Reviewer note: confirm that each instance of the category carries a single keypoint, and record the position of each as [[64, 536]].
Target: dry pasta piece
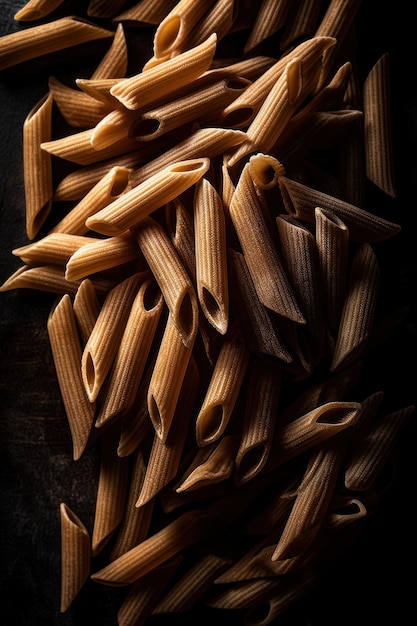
[[75, 556], [148, 12], [218, 19], [114, 63], [86, 306], [265, 170], [36, 10], [104, 8], [359, 307], [301, 23], [48, 37], [111, 492], [104, 192], [177, 24], [179, 225], [146, 87], [379, 157], [174, 282], [66, 353], [102, 345], [364, 226], [99, 89], [55, 248], [262, 397], [134, 205], [130, 360], [270, 18], [37, 166], [211, 255], [223, 388], [77, 108], [248, 213]]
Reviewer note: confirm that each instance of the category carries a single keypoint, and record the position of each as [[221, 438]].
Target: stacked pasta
[[217, 291]]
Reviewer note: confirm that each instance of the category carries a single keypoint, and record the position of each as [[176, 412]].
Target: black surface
[[375, 582]]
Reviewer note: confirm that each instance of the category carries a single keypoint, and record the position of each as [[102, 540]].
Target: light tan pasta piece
[[99, 89], [143, 88], [48, 37], [265, 170], [36, 10], [211, 255], [104, 191], [364, 226], [359, 307], [77, 108], [379, 156], [101, 254], [223, 388], [138, 605], [187, 529], [131, 356], [148, 12], [177, 24], [66, 353], [175, 284], [75, 556], [261, 406], [270, 18], [301, 23], [165, 456], [55, 248], [135, 204], [86, 307], [115, 62], [102, 345], [180, 227], [37, 166], [248, 213], [218, 19], [111, 492]]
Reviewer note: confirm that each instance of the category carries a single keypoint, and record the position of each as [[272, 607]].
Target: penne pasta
[[86, 307], [177, 24], [78, 109], [270, 18], [180, 228], [36, 10], [219, 19], [115, 62], [55, 249], [147, 11], [75, 556]]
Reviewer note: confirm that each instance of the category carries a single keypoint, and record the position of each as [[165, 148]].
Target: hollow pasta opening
[[168, 33]]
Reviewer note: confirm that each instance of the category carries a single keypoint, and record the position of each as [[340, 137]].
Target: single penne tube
[[173, 280], [269, 19], [359, 307], [302, 21], [104, 8], [378, 143], [223, 388], [113, 127], [141, 89], [180, 228], [137, 203], [249, 68], [86, 306], [77, 108], [248, 215], [102, 345], [265, 170], [66, 353], [105, 191], [332, 240], [262, 397], [211, 255], [131, 356], [114, 62], [219, 18], [55, 248], [97, 255], [168, 378], [75, 556], [45, 38], [364, 226], [165, 456], [99, 89], [37, 166], [184, 531], [244, 595], [36, 10], [111, 492], [177, 24], [150, 12]]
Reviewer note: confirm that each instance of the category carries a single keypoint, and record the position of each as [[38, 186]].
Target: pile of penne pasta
[[217, 287]]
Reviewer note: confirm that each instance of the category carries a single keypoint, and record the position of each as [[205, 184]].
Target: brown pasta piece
[[177, 24], [75, 556]]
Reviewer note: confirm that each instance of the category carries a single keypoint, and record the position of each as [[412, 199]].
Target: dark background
[[375, 582]]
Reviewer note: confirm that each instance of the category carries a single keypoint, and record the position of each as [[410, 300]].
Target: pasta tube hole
[[90, 374], [155, 415], [146, 127], [211, 426], [237, 84], [120, 182], [186, 316], [213, 310], [38, 221], [167, 33], [152, 296], [258, 615], [264, 174], [249, 463], [190, 166], [238, 118]]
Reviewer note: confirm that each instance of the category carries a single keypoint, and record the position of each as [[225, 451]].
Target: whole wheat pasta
[[143, 88], [359, 307], [148, 12], [262, 397], [108, 188], [134, 205], [99, 89], [364, 226], [244, 595], [86, 306], [179, 225], [102, 345], [379, 158], [111, 492], [177, 24], [27, 44], [114, 63], [97, 255], [78, 108], [270, 18], [55, 248], [66, 353], [223, 388], [175, 284], [219, 19], [130, 360], [302, 21], [37, 166], [182, 532], [265, 266], [250, 68], [211, 255], [36, 10], [75, 556], [271, 517], [265, 170], [104, 8]]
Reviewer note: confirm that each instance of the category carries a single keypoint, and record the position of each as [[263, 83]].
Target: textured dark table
[[373, 583]]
